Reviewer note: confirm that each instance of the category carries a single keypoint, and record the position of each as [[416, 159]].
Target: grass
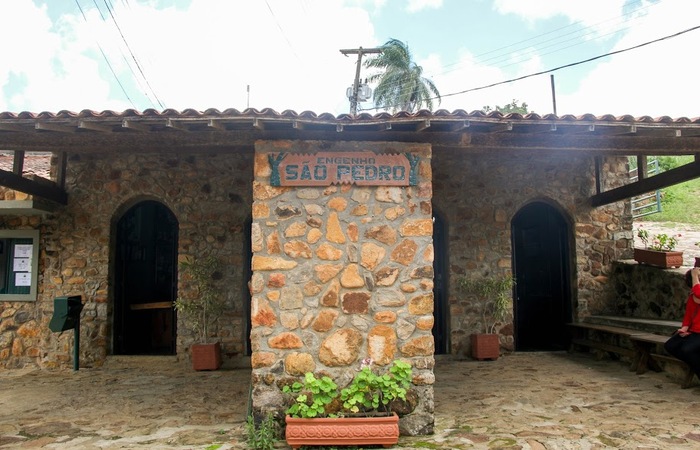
[[679, 203]]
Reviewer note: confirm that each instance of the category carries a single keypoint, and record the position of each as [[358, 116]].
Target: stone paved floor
[[521, 401]]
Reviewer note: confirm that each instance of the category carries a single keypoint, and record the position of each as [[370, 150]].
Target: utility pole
[[356, 85]]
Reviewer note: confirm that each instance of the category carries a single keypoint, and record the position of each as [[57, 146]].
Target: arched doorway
[[145, 275], [441, 329], [541, 254]]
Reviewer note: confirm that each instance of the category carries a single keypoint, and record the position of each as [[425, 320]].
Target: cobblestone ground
[[520, 401]]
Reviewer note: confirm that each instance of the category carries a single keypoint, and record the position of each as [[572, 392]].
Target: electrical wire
[[500, 60], [512, 80], [133, 56], [104, 56]]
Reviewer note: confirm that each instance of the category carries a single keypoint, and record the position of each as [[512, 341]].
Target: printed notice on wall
[[21, 265], [23, 279], [23, 250]]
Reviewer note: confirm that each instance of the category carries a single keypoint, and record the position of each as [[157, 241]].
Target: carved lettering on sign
[[360, 168]]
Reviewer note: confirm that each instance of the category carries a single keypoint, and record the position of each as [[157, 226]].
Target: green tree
[[401, 85], [511, 107]]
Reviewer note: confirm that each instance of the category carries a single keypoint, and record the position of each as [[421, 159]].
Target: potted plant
[[201, 308], [492, 298], [360, 414], [658, 250]]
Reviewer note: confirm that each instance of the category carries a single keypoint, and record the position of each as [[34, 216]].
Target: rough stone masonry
[[340, 273]]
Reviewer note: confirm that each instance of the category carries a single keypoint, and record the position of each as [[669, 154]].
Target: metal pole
[[356, 84], [554, 95], [76, 346]]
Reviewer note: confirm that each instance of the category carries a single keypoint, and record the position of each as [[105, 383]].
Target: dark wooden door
[[441, 327], [541, 264], [145, 280]]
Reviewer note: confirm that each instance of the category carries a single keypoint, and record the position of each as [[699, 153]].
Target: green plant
[[492, 296], [262, 437], [367, 392], [312, 396], [371, 392], [203, 307], [661, 242]]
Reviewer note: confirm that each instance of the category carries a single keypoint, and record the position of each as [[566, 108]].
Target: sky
[[285, 54]]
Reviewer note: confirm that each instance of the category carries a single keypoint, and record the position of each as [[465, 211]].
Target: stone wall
[[341, 273], [477, 194], [210, 196], [641, 291]]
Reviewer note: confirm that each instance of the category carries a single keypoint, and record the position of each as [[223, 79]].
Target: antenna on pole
[[356, 85], [247, 105]]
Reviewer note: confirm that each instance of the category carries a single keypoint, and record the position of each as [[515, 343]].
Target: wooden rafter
[[47, 190], [674, 176]]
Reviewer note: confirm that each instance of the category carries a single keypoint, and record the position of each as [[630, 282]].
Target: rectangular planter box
[[485, 346], [206, 356], [380, 430], [655, 258]]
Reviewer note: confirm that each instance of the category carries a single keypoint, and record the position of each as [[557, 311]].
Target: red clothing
[[692, 311]]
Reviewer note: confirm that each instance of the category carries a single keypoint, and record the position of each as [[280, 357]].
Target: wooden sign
[[327, 168]]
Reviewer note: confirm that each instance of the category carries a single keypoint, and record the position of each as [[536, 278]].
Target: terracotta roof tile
[[363, 116]]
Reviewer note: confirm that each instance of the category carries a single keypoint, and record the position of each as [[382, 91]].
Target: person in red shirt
[[685, 342]]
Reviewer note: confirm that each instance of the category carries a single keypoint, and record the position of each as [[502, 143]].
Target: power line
[[138, 66], [104, 56], [579, 35], [512, 80]]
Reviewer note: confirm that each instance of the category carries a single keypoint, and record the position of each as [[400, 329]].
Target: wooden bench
[[647, 356], [580, 332]]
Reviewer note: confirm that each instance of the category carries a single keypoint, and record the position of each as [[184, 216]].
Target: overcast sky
[[284, 54]]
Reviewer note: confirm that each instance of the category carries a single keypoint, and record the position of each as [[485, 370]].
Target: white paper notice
[[23, 250], [21, 265], [23, 279]]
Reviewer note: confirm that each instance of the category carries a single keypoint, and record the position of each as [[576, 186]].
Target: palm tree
[[401, 84]]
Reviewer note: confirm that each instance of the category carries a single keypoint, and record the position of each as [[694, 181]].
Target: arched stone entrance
[[541, 263], [145, 275]]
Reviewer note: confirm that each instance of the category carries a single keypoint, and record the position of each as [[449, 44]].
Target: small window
[[19, 264]]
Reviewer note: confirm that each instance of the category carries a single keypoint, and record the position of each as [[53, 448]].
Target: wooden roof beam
[[176, 125], [47, 189], [45, 126], [94, 126], [216, 124], [670, 177], [258, 124], [11, 127], [422, 125], [136, 126], [501, 127]]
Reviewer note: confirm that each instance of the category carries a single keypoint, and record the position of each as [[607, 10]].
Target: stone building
[[320, 272]]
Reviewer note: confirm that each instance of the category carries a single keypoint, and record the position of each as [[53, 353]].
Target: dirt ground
[[521, 401]]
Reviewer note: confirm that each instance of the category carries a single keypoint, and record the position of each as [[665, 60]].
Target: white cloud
[[415, 6], [589, 13], [658, 79]]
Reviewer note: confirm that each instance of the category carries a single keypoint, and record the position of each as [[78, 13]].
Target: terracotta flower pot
[[485, 346], [655, 258], [371, 430], [206, 356]]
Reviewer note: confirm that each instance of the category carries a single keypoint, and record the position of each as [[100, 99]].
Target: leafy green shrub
[[371, 392], [314, 394], [262, 437]]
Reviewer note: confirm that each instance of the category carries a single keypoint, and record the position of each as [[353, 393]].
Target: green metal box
[[66, 313]]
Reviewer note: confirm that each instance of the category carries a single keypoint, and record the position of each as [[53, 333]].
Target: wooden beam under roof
[[670, 177], [60, 128], [94, 126], [136, 126], [11, 127], [423, 125], [176, 125], [216, 124], [45, 189]]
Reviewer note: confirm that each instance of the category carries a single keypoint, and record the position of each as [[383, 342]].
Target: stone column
[[341, 272]]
